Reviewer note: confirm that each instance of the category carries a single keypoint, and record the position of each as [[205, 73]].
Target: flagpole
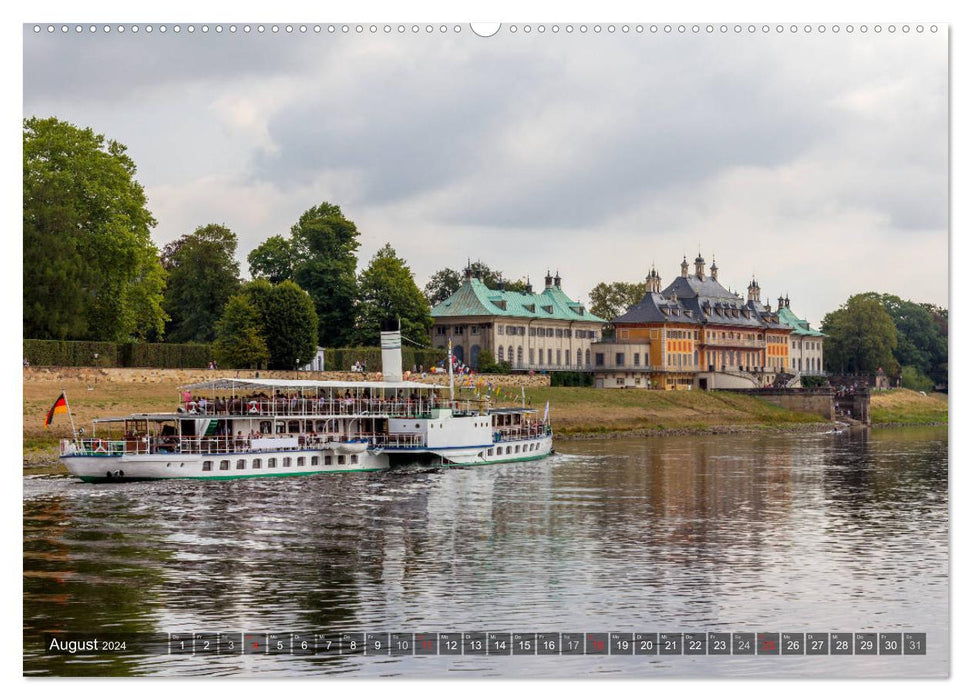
[[451, 385], [70, 415]]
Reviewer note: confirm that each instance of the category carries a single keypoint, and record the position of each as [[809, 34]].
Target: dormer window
[[548, 309], [531, 308], [501, 303]]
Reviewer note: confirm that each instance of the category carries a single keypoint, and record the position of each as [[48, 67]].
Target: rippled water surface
[[787, 533]]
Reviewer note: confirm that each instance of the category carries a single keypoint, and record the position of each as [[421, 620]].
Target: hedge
[[571, 379], [82, 353], [341, 359]]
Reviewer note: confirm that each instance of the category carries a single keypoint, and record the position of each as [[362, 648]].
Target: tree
[[387, 290], [861, 338], [203, 275], [913, 378], [921, 335], [239, 342], [442, 285], [610, 300], [287, 321], [325, 262], [90, 269], [445, 282], [488, 364], [273, 260]]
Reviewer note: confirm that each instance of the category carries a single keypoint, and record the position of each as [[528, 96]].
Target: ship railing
[[396, 408], [399, 440], [101, 446], [506, 434]]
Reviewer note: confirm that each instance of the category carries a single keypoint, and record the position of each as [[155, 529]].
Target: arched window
[[459, 353], [587, 357], [519, 356], [500, 358], [510, 356], [474, 356], [579, 358]]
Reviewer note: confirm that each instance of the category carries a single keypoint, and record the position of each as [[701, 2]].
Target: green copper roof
[[473, 298], [799, 326]]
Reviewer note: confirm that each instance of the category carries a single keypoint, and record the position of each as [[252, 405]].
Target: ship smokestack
[[391, 355]]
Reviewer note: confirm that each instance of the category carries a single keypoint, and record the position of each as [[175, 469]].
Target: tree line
[[92, 272]]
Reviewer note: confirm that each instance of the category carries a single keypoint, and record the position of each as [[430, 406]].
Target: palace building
[[697, 334], [544, 331]]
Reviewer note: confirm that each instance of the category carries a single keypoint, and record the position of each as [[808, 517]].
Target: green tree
[[861, 338], [203, 275], [610, 300], [921, 334], [273, 260], [488, 364], [90, 269], [239, 341], [387, 290], [287, 321], [913, 378], [325, 262]]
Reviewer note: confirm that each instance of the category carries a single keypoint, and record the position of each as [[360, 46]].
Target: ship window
[[490, 453], [207, 466], [241, 464], [287, 461], [353, 459], [314, 461], [517, 449], [257, 463], [341, 459], [271, 462], [328, 460], [224, 465], [301, 461]]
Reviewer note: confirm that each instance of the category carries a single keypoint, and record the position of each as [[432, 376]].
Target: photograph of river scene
[[449, 351]]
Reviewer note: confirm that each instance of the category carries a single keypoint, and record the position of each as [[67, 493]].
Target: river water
[[759, 533]]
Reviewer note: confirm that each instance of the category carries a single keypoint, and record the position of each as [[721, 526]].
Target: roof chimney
[[529, 286], [549, 280], [556, 280]]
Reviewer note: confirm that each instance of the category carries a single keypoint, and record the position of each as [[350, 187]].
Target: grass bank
[[582, 410], [906, 407]]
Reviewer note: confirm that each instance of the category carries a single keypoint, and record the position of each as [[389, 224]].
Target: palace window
[[501, 354], [549, 356], [599, 359], [532, 332], [475, 330], [559, 357], [619, 359], [531, 356], [637, 359]]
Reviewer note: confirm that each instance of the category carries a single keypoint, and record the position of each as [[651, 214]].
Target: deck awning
[[243, 385]]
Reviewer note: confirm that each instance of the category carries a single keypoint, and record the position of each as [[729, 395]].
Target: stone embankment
[[179, 377]]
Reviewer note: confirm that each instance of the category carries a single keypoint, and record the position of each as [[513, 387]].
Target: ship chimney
[[391, 352]]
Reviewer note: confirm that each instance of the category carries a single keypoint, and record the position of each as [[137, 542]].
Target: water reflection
[[718, 533]]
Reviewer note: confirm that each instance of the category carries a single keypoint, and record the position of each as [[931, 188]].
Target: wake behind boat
[[239, 428]]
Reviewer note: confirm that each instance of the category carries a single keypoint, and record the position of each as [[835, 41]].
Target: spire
[[700, 266], [684, 266], [529, 286], [714, 268], [653, 280], [754, 292]]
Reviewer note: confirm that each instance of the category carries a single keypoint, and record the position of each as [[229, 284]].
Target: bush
[[913, 378], [488, 364], [813, 381], [571, 379]]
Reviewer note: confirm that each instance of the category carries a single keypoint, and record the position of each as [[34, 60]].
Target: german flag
[[60, 406]]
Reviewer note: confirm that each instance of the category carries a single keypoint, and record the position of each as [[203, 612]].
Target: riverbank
[[906, 407], [576, 412]]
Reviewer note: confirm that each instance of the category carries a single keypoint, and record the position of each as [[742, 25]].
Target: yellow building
[[701, 335]]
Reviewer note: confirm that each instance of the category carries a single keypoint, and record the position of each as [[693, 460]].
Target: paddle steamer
[[243, 428]]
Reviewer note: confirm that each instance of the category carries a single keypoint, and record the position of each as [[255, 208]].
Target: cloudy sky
[[817, 162]]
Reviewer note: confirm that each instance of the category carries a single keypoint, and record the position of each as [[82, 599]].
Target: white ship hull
[[151, 467]]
